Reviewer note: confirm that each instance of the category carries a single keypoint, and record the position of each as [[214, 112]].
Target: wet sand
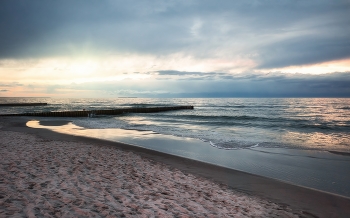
[[49, 174]]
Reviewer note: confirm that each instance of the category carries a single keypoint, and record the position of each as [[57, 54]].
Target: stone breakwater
[[90, 113], [22, 104], [44, 178]]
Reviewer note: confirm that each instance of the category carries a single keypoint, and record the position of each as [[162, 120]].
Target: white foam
[[219, 147], [254, 146]]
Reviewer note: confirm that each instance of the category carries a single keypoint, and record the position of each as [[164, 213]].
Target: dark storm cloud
[[276, 33], [308, 50], [38, 28]]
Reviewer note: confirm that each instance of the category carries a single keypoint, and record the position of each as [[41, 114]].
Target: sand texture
[[46, 178]]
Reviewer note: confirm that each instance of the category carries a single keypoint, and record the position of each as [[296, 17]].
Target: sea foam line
[[254, 146], [216, 146]]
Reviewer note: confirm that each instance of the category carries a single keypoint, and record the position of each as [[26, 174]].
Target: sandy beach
[[53, 177]]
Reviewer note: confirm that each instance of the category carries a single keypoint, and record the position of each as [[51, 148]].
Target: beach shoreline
[[315, 169], [291, 199]]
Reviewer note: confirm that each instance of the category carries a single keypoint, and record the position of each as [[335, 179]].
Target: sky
[[175, 48]]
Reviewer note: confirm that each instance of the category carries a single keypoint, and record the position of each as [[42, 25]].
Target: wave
[[220, 147], [146, 105], [213, 117], [251, 121], [244, 106]]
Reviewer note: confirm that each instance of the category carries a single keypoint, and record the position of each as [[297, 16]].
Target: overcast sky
[[184, 48]]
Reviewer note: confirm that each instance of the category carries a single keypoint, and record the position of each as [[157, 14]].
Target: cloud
[[184, 75], [272, 34], [194, 84], [13, 84], [179, 73], [306, 50], [4, 90], [253, 85]]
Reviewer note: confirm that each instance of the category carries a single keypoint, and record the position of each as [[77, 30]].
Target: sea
[[303, 141], [224, 123]]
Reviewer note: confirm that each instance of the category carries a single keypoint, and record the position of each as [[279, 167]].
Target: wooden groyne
[[22, 104], [85, 113]]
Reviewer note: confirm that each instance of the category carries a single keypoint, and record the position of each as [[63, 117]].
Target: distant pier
[[22, 104], [90, 113]]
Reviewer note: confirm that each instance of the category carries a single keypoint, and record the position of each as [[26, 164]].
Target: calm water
[[314, 123]]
